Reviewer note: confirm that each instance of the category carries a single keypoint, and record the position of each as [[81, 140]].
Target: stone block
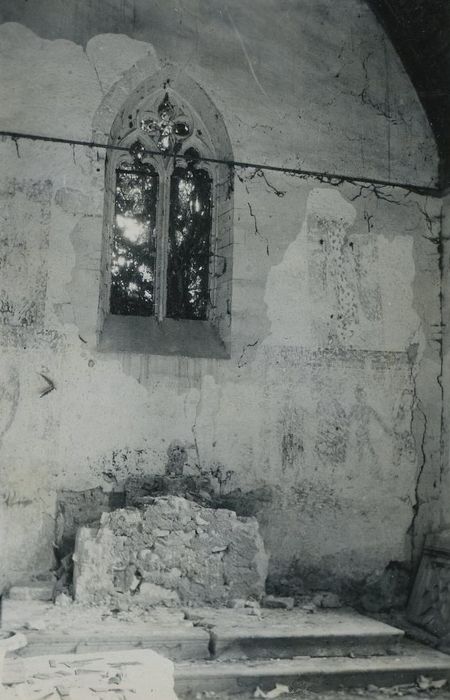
[[429, 604], [9, 642], [78, 508], [32, 591], [196, 554], [327, 599], [157, 595], [281, 602]]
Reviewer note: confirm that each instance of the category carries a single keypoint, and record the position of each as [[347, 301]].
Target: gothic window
[[160, 262], [167, 254]]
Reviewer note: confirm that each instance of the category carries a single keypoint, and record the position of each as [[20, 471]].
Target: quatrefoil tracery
[[169, 127]]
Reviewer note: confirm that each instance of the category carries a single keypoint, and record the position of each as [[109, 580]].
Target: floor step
[[176, 645], [287, 633], [316, 674], [224, 633], [53, 629], [300, 649]]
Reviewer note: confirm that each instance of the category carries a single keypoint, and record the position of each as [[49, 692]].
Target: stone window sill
[[145, 335]]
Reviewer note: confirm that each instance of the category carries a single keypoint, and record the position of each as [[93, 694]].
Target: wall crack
[[416, 406], [242, 360]]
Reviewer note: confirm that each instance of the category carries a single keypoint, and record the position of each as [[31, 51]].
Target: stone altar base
[[172, 551]]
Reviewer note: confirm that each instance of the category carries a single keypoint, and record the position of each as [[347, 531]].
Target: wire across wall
[[160, 285], [322, 176]]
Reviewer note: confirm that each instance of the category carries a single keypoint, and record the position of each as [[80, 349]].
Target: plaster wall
[[444, 339], [330, 399]]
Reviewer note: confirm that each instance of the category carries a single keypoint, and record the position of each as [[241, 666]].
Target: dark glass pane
[[134, 246], [189, 234]]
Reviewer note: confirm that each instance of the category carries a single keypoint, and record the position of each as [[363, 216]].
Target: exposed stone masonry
[[173, 550]]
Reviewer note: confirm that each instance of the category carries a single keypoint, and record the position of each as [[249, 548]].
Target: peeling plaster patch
[[404, 445], [127, 425], [291, 427], [52, 78], [310, 495], [369, 428], [329, 217], [295, 356], [27, 515], [286, 293], [72, 201], [24, 226], [343, 275], [84, 285], [396, 260], [112, 54], [340, 285], [9, 399], [27, 338], [332, 431]]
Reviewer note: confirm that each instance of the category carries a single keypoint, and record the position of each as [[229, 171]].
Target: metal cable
[[331, 178]]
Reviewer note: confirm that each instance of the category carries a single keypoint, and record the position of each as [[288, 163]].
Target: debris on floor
[[125, 675], [371, 692], [284, 602], [425, 683], [276, 692], [326, 599]]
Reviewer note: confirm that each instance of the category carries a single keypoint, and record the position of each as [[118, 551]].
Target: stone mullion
[[162, 244]]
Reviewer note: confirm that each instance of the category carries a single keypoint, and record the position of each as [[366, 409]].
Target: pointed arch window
[[163, 215], [167, 254]]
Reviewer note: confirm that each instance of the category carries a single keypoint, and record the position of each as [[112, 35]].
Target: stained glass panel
[[188, 249], [134, 244]]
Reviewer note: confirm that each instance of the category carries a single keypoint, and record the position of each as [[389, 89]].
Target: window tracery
[[162, 227], [166, 261]]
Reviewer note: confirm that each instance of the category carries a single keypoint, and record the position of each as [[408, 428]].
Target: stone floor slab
[[131, 675], [80, 629]]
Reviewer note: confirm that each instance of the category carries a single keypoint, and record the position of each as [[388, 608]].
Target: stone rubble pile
[[173, 550]]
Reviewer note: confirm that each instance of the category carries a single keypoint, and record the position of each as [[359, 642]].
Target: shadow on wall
[[381, 591]]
